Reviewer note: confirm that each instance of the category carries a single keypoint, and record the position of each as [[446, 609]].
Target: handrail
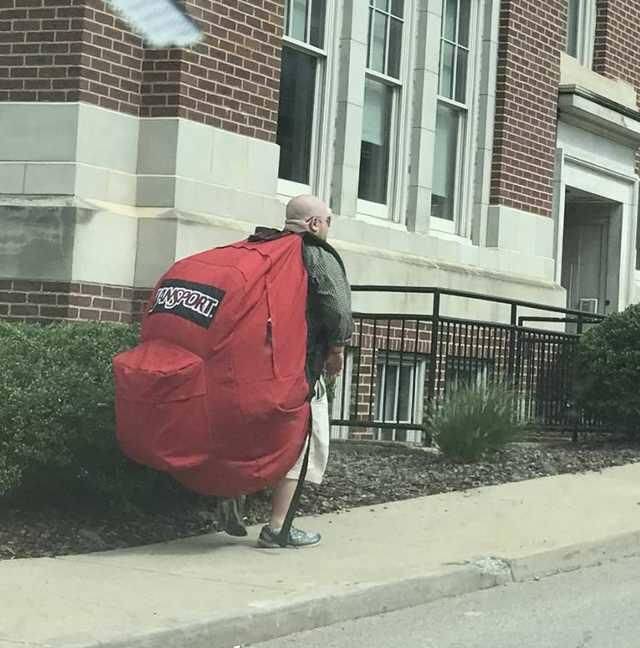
[[431, 290]]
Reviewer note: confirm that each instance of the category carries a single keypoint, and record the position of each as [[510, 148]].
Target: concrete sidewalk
[[219, 592]]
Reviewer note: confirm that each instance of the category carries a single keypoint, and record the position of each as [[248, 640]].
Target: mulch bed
[[359, 474]]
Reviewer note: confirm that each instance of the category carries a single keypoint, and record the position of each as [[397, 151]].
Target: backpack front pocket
[[161, 406]]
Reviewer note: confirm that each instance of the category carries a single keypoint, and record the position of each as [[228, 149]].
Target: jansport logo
[[195, 302]]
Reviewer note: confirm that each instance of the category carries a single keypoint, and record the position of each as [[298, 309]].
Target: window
[[581, 19], [381, 98], [400, 396], [303, 63], [452, 114], [573, 27], [468, 372]]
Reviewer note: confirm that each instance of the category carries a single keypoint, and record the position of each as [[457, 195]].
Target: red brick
[[79, 300], [122, 305], [24, 311], [534, 120], [28, 286], [109, 316], [54, 312], [112, 291], [87, 314], [91, 289], [13, 297], [102, 303], [43, 298]]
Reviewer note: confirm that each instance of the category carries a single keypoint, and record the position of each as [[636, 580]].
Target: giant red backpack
[[216, 393]]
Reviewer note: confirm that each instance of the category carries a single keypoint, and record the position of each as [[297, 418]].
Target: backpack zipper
[[269, 331]]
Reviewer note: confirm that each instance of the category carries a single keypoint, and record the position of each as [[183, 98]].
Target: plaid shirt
[[329, 305]]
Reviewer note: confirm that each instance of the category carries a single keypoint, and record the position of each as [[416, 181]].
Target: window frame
[[467, 117], [392, 210], [322, 109], [419, 370], [587, 13]]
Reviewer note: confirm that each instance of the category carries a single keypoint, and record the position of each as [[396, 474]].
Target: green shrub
[[57, 422], [474, 421], [607, 373]]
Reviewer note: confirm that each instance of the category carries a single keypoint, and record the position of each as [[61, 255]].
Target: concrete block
[[156, 249], [519, 231], [262, 167], [12, 178], [92, 182], [104, 248], [432, 59], [50, 179], [37, 242], [352, 55], [121, 188], [156, 191], [355, 22], [194, 150], [157, 146], [349, 116], [38, 132], [107, 138], [229, 160], [428, 89]]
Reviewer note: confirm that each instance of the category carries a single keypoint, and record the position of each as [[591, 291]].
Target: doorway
[[591, 252]]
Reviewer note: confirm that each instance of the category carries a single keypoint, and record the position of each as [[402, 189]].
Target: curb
[[351, 602]]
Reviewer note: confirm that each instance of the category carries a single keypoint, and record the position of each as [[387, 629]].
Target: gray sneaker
[[297, 538]]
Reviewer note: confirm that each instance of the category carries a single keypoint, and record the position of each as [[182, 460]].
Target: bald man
[[330, 328]]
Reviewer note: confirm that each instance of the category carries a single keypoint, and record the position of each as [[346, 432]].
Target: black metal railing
[[400, 366]]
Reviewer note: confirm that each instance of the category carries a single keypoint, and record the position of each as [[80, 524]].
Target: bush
[[57, 421], [474, 422], [608, 371]]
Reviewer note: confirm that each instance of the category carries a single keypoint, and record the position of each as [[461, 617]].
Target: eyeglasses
[[327, 220]]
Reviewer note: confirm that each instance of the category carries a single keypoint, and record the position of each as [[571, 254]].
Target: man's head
[[308, 214]]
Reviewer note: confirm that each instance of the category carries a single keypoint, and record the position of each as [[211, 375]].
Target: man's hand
[[335, 361]]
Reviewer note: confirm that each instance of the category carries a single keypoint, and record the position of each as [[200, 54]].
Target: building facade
[[488, 145]]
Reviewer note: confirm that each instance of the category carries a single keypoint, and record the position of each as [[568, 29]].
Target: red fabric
[[221, 401]]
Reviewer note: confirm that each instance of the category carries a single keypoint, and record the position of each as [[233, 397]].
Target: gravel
[[359, 474]]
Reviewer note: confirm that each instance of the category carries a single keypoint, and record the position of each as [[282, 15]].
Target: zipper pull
[[269, 331]]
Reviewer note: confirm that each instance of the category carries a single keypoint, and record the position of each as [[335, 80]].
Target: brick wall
[[65, 50], [78, 50], [47, 301], [531, 36], [231, 79], [618, 40]]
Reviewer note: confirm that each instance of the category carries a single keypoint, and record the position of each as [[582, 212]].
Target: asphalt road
[[591, 608]]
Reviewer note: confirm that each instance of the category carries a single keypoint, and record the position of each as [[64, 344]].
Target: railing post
[[512, 343], [435, 330]]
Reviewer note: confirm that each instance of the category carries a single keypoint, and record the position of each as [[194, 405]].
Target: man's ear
[[314, 224]]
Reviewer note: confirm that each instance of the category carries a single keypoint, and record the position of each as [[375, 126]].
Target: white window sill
[[372, 209], [447, 234], [288, 189], [379, 222]]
